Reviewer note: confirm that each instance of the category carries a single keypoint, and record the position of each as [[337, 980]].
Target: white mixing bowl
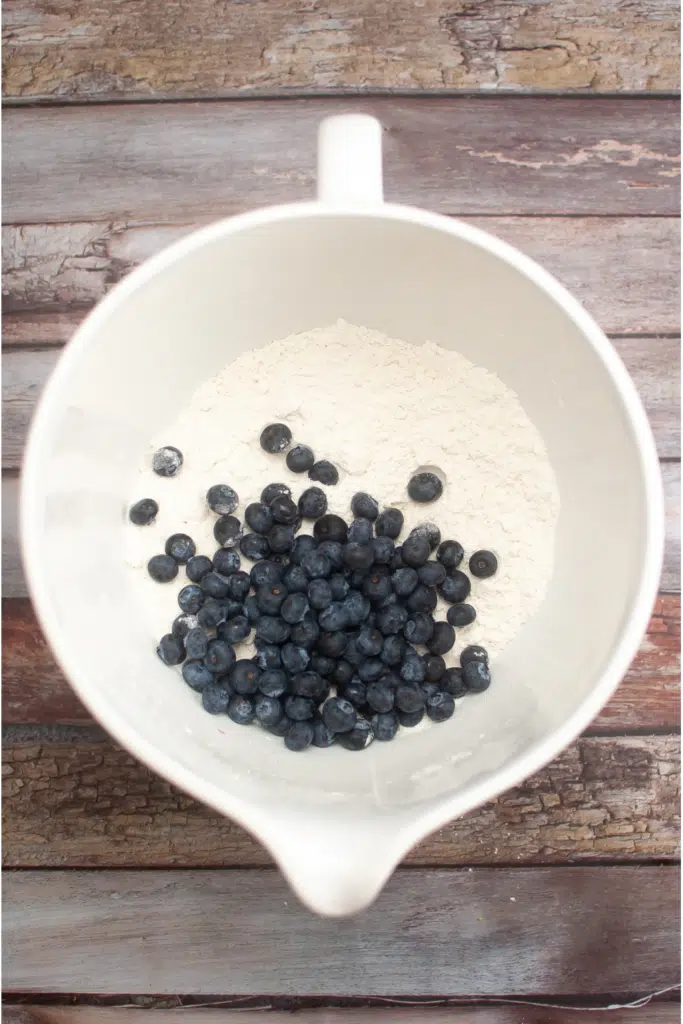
[[338, 823]]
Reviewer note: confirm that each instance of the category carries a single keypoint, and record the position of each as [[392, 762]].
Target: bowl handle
[[350, 161]]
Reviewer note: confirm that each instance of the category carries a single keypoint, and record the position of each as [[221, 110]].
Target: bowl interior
[[143, 353]]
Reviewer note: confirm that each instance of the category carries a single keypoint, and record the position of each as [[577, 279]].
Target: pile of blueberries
[[338, 616]]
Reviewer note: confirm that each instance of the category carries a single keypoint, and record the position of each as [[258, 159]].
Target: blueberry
[[338, 585], [396, 561], [190, 599], [419, 628], [435, 667], [265, 572], [422, 599], [234, 608], [197, 675], [295, 659], [162, 568], [211, 614], [334, 617], [333, 550], [249, 611], [383, 549], [404, 581], [220, 657], [356, 577], [393, 649], [227, 530], [254, 546], [330, 527], [167, 461], [239, 584], [333, 645], [272, 630], [425, 487], [476, 676], [241, 710], [319, 594], [358, 738], [360, 532], [356, 692], [301, 546], [474, 653], [413, 670], [409, 719], [258, 517], [245, 676], [296, 580], [377, 587], [299, 736], [183, 624], [197, 567], [294, 607], [409, 698], [415, 550], [452, 682], [284, 510], [236, 630], [483, 564], [313, 504], [440, 706], [299, 709], [322, 736], [339, 715], [215, 585], [389, 523], [460, 615], [391, 619], [364, 507], [300, 459], [358, 556], [442, 638], [268, 710], [428, 689], [431, 531], [356, 608], [370, 641], [143, 512], [273, 682], [215, 698], [171, 649], [385, 726], [226, 562], [267, 657], [432, 574], [306, 632], [271, 597], [380, 698], [342, 673], [450, 554], [324, 472], [276, 438], [221, 499], [323, 665], [196, 643], [310, 685], [351, 652], [282, 727], [371, 669], [271, 491], [316, 566]]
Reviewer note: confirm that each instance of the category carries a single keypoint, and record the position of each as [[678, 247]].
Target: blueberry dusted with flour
[[339, 715], [440, 706], [450, 554], [483, 564], [181, 547], [182, 625], [299, 736], [360, 532], [171, 649], [456, 587], [424, 487], [241, 710], [268, 710], [197, 567], [191, 598], [222, 499], [474, 653], [323, 472], [236, 630], [300, 459], [143, 512], [415, 550], [358, 738], [476, 676], [226, 561], [389, 523], [227, 530], [162, 568], [313, 503], [197, 675], [265, 571], [259, 517], [276, 438], [254, 546], [364, 506], [167, 461], [431, 531], [271, 491], [215, 698], [385, 726]]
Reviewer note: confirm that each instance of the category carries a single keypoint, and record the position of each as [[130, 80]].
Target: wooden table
[[554, 125]]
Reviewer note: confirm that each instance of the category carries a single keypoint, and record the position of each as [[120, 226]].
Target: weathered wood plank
[[90, 804], [623, 269], [483, 155], [27, 330], [69, 51], [483, 932], [35, 691]]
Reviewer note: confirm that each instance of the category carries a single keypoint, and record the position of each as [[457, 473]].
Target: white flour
[[379, 409]]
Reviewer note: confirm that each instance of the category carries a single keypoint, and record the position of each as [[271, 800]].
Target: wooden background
[[553, 123]]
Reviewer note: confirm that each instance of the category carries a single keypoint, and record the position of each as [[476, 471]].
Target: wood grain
[[35, 691], [90, 804], [484, 932], [85, 50], [624, 270], [469, 155]]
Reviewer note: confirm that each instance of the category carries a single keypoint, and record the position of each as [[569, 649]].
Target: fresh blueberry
[[431, 531], [393, 649], [221, 499], [339, 715], [333, 645], [330, 527], [409, 719], [385, 726], [282, 727], [440, 706], [334, 617], [310, 685], [197, 567], [190, 599], [271, 597], [239, 584], [419, 628], [234, 608], [360, 532], [254, 546], [377, 587], [415, 550], [276, 438], [356, 577], [313, 503], [143, 512], [196, 643], [356, 608], [167, 461], [197, 675], [284, 510], [295, 659], [450, 554], [299, 709], [171, 649], [296, 580], [333, 550], [319, 594], [306, 633], [162, 568], [211, 614], [383, 549], [324, 473], [358, 738], [356, 692], [220, 657], [322, 736], [241, 710], [429, 688], [351, 652], [294, 607], [483, 564], [358, 556], [371, 669], [391, 619], [425, 487], [183, 624], [214, 585], [404, 581], [215, 698], [409, 697], [452, 682], [245, 676], [389, 523], [271, 491], [316, 566], [474, 653], [338, 585], [228, 531], [422, 599], [323, 665], [273, 682], [268, 710], [379, 696], [265, 572], [370, 641], [272, 630], [300, 459], [226, 561], [342, 674], [301, 546], [460, 615], [299, 736], [435, 667], [432, 574], [397, 561], [258, 517], [236, 630], [476, 676], [413, 670], [267, 657], [442, 639], [364, 506]]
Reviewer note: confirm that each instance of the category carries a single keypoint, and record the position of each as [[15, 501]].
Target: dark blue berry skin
[[299, 709], [143, 512], [197, 567], [268, 710], [234, 608], [456, 587], [440, 706], [254, 546], [271, 597], [316, 566], [226, 561], [435, 667], [284, 510], [396, 561], [330, 527], [389, 523], [483, 564], [190, 599], [267, 657], [333, 550], [162, 568], [409, 719], [339, 715], [432, 574], [393, 649], [183, 624], [382, 550], [356, 608], [450, 554], [215, 698], [214, 585], [227, 531], [222, 500], [322, 665], [370, 642], [236, 630], [419, 629], [342, 673], [333, 645], [322, 736], [415, 550], [474, 653], [428, 689], [338, 585], [197, 675], [295, 659], [258, 517], [271, 491], [171, 649], [460, 615], [334, 617], [273, 682], [245, 676], [360, 532], [442, 639], [412, 670], [265, 572], [371, 670], [391, 619], [351, 653], [281, 728], [312, 503], [310, 685], [385, 726], [241, 710], [422, 599], [356, 578], [432, 532], [299, 736], [358, 738], [424, 487], [377, 587], [296, 580], [250, 612], [306, 633], [272, 630], [302, 544], [323, 472], [240, 584], [294, 608], [167, 461], [358, 556], [380, 697], [364, 506], [404, 581], [476, 676], [276, 438], [409, 698], [452, 682], [211, 614], [196, 644], [356, 692], [300, 459]]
